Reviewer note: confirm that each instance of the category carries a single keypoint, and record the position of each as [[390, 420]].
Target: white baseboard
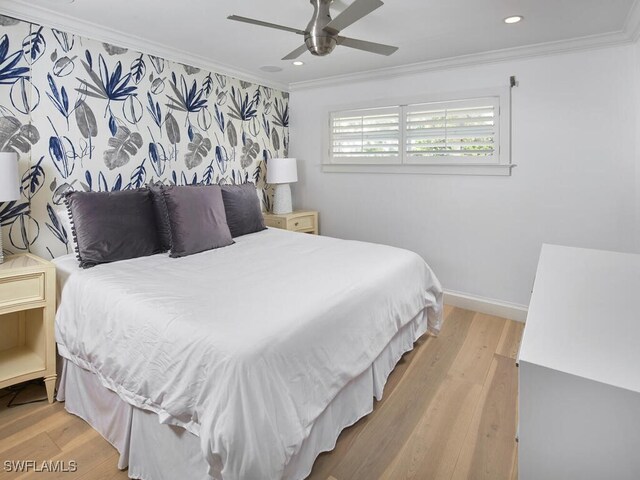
[[512, 311]]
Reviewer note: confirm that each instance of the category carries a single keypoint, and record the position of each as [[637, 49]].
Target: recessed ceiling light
[[514, 19], [270, 69], [298, 63]]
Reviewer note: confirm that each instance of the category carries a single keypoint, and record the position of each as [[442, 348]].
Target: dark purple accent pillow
[[197, 219], [112, 226], [162, 218], [242, 206]]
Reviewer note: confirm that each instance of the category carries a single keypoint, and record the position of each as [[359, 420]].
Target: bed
[[243, 362]]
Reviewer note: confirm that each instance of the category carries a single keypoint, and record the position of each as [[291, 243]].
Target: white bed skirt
[[155, 451]]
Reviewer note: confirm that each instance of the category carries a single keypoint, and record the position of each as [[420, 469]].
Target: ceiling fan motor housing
[[320, 42]]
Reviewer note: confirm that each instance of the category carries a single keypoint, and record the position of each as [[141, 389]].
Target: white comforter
[[246, 345]]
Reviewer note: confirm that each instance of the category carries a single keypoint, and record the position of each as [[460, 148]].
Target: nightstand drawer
[[299, 221], [302, 223], [276, 222], [21, 289]]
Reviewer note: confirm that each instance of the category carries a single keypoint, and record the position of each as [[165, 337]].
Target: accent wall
[[85, 115]]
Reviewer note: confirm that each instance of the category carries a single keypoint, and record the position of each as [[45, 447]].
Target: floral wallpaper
[[85, 115]]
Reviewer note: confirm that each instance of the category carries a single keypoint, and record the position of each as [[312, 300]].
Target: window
[[453, 135], [366, 136], [456, 131]]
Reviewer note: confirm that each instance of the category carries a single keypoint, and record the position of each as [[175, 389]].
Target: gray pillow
[[162, 219], [197, 219], [112, 226], [242, 206]]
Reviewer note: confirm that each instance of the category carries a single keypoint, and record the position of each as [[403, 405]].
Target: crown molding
[[630, 33], [632, 23], [495, 56], [50, 18]]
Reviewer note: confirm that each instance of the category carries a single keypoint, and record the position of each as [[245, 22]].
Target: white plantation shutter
[[467, 133], [366, 136], [464, 131]]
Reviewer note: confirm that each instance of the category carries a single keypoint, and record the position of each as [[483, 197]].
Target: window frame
[[444, 165]]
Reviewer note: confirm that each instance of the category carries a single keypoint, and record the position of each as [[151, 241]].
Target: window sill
[[413, 169]]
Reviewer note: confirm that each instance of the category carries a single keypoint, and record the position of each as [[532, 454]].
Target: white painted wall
[[637, 99], [574, 140]]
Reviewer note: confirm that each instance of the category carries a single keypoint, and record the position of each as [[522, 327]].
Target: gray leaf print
[[158, 63], [198, 149], [232, 134], [157, 86], [63, 66], [191, 70], [86, 120], [8, 21], [173, 129], [114, 50], [15, 137], [221, 98], [29, 133], [123, 145], [249, 153], [59, 193]]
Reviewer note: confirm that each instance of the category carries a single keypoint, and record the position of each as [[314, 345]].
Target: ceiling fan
[[322, 34]]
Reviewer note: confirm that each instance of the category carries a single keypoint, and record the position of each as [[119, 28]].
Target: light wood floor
[[448, 412]]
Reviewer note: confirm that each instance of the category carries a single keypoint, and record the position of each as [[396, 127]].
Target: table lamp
[[281, 172], [9, 184]]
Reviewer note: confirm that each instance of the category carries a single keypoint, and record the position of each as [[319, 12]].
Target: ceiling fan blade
[[296, 53], [353, 13], [372, 47], [339, 5], [238, 18]]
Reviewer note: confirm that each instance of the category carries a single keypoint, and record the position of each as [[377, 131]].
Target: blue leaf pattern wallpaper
[[85, 115]]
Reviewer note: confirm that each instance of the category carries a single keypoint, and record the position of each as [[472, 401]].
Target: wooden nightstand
[[27, 313], [300, 221]]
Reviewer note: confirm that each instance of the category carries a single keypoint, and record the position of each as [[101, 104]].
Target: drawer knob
[[297, 223]]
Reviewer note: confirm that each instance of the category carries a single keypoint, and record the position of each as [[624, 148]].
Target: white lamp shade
[[282, 170], [9, 177]]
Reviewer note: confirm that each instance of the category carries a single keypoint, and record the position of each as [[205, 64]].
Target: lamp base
[[282, 199]]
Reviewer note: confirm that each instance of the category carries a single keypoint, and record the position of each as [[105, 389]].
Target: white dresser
[[579, 400]]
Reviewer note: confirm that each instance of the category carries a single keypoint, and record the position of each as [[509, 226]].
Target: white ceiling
[[425, 30]]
